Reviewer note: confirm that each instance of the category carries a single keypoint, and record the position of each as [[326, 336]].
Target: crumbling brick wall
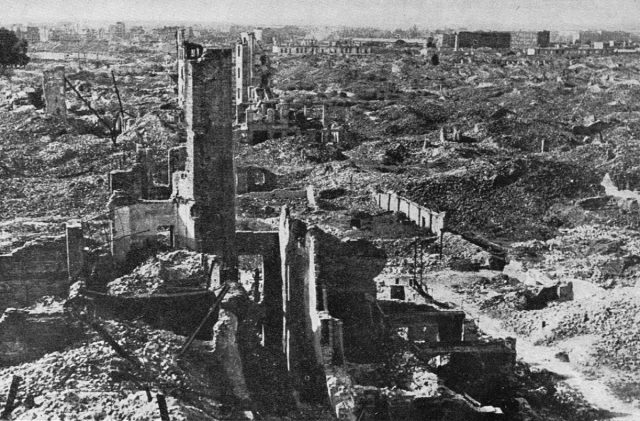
[[136, 225]]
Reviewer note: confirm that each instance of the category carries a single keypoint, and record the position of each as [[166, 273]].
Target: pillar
[[338, 342], [53, 87], [206, 198], [75, 248], [181, 66]]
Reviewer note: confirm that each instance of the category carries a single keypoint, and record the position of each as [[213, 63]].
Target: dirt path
[[593, 390]]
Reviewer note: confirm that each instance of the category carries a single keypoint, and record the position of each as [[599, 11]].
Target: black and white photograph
[[320, 210]]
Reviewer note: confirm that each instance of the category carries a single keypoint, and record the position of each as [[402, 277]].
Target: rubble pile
[[278, 155], [498, 295], [162, 273], [49, 168], [595, 253], [612, 319], [508, 202], [159, 129], [267, 205], [90, 381], [15, 233], [539, 396]]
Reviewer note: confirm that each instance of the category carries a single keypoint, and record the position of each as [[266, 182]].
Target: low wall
[[37, 269], [424, 323], [179, 313], [422, 216], [27, 335]]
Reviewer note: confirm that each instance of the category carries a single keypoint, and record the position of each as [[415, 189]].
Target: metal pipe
[[213, 308]]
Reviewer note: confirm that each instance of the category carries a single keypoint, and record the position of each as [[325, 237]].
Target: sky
[[431, 14]]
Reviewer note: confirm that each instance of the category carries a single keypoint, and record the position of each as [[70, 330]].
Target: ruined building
[[479, 39], [530, 39], [253, 74], [200, 213], [345, 47], [259, 114]]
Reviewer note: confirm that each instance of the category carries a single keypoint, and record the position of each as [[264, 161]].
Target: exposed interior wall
[[136, 226], [313, 298], [266, 244], [345, 273], [625, 199], [300, 342], [131, 182]]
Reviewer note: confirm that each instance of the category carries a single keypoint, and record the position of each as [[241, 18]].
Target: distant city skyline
[[387, 14]]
